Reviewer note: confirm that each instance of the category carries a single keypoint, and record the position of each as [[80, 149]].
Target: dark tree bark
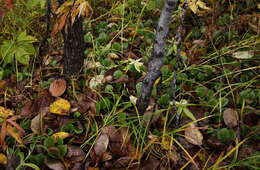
[[155, 64], [74, 46]]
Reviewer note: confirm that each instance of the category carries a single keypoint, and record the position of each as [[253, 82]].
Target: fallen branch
[[155, 64]]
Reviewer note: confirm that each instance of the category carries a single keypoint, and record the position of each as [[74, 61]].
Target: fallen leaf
[[93, 65], [151, 163], [107, 156], [101, 145], [96, 81], [54, 164], [75, 154], [61, 135], [113, 56], [4, 113], [11, 131], [60, 107], [122, 162], [36, 123], [93, 168], [58, 87], [3, 159], [59, 25], [243, 54], [193, 135], [230, 117]]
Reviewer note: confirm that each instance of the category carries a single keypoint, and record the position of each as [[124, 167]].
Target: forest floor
[[90, 121]]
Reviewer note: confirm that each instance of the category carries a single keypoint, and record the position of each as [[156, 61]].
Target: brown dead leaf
[[120, 143], [193, 135], [122, 162], [27, 108], [151, 164], [230, 117], [75, 154], [107, 156], [36, 123], [101, 145], [58, 87], [59, 25], [54, 164]]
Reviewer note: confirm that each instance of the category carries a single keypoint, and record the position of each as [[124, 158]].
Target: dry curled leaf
[[230, 117], [58, 87], [193, 135], [60, 107]]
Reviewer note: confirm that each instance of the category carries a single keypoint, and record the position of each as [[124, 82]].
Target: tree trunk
[[155, 64], [74, 46]]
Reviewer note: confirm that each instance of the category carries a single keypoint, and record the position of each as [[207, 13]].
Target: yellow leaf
[[193, 6], [3, 159], [4, 113], [196, 4], [61, 135], [258, 5], [157, 81], [60, 106], [202, 5], [65, 7], [11, 131]]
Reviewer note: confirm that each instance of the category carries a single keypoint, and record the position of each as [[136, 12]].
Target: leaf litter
[[100, 127]]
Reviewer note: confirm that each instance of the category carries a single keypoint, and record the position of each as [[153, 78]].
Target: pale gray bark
[[155, 64]]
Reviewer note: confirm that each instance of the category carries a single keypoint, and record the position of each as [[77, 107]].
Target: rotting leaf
[[101, 145], [58, 87], [230, 117], [60, 107], [193, 135]]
